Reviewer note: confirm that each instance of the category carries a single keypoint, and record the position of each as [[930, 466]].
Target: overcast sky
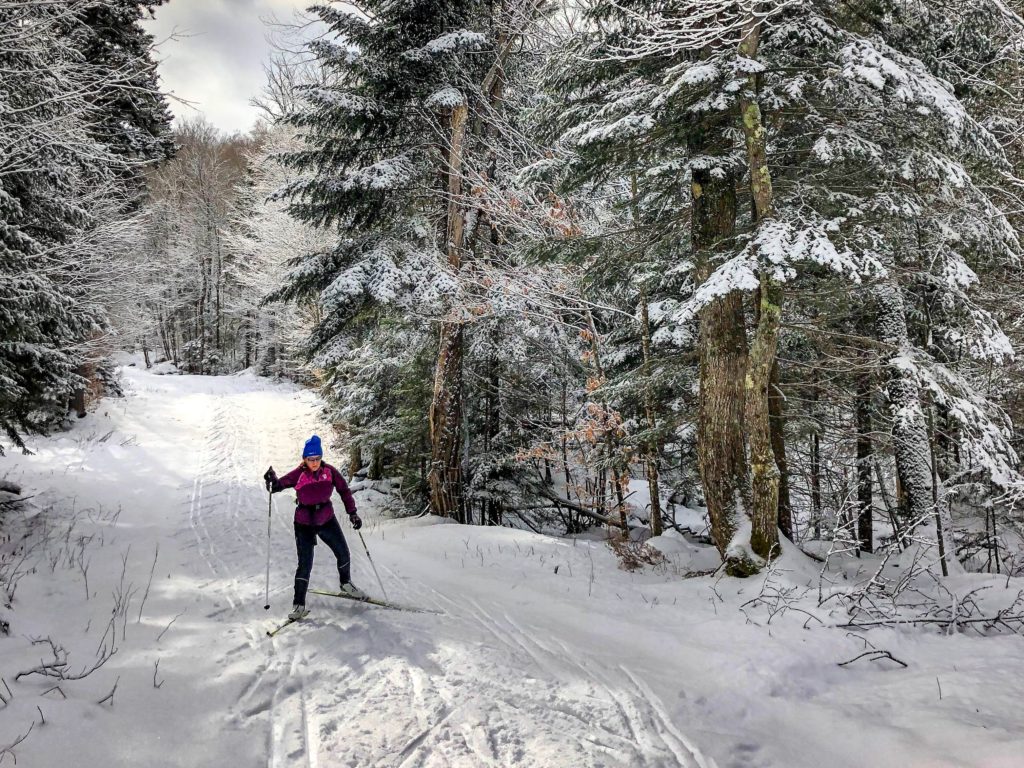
[[217, 62]]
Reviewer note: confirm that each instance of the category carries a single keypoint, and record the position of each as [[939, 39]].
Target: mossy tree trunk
[[765, 474]]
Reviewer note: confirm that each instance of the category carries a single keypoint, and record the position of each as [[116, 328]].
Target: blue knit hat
[[312, 447]]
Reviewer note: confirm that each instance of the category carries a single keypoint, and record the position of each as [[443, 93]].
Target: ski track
[[355, 685]]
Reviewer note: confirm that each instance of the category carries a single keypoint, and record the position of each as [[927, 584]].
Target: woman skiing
[[314, 481]]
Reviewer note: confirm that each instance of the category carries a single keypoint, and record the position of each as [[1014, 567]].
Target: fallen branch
[[875, 655], [894, 621], [585, 511]]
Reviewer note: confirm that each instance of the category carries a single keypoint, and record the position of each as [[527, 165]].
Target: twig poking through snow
[[110, 696], [8, 750], [169, 625], [149, 583]]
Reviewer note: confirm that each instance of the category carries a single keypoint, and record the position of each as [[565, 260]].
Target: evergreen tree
[[61, 191], [876, 196], [130, 116], [393, 140]]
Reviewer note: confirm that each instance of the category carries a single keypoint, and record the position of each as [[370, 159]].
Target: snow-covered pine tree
[[626, 117], [394, 141], [60, 185], [897, 168], [130, 115], [861, 194]]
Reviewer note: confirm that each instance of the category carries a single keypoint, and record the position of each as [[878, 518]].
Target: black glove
[[270, 478], [356, 521]]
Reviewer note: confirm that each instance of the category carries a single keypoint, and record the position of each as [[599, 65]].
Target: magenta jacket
[[313, 492]]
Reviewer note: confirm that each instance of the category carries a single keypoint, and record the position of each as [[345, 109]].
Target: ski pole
[[270, 506], [372, 565]]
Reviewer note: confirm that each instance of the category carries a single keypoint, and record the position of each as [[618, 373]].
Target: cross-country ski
[[286, 623], [367, 601], [372, 601]]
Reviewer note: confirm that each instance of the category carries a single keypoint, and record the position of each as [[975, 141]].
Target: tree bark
[[911, 445], [776, 412], [721, 447], [765, 474], [865, 499], [652, 443], [446, 487], [355, 459], [376, 471]]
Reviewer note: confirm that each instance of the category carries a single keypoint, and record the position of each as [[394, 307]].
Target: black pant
[[305, 540]]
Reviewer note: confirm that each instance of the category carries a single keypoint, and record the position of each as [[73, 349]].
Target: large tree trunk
[[446, 488], [446, 426], [764, 535], [721, 447], [911, 445]]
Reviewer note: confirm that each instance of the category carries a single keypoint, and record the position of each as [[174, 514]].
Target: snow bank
[[148, 535]]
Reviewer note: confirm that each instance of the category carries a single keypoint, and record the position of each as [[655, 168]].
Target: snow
[[390, 173], [448, 97], [630, 125], [460, 40], [910, 82], [539, 651]]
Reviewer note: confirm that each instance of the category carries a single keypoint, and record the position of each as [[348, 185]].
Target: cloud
[[215, 58]]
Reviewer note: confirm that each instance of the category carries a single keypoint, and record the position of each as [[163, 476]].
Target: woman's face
[[313, 462]]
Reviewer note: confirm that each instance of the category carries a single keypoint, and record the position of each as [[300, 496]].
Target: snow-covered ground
[[146, 533]]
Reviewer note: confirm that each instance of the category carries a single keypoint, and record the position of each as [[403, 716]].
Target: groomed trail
[[537, 651]]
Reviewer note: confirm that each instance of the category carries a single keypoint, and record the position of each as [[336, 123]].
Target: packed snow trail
[[536, 651]]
